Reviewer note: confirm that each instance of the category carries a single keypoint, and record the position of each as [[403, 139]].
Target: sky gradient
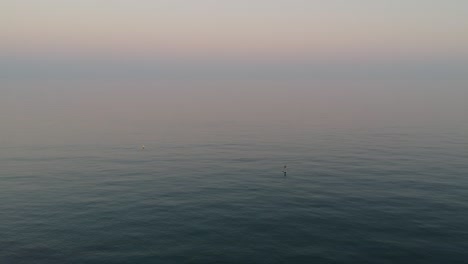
[[90, 71], [241, 29]]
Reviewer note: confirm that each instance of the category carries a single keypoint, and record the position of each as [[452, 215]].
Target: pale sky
[[89, 70], [265, 29]]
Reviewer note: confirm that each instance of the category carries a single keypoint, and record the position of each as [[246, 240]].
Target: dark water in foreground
[[388, 196]]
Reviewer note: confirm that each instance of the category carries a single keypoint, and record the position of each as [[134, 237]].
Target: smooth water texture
[[390, 196], [362, 185]]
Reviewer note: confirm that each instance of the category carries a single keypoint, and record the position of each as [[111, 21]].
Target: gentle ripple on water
[[347, 198]]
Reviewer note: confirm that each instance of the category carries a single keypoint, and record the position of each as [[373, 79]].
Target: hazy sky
[[240, 29], [93, 69]]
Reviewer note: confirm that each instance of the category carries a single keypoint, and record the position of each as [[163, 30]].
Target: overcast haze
[[259, 28], [90, 71]]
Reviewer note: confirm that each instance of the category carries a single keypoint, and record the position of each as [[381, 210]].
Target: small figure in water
[[284, 170], [142, 147]]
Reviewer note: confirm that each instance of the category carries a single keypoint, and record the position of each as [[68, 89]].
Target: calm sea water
[[386, 195]]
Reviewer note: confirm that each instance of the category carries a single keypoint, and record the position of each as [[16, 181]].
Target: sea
[[215, 192]]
